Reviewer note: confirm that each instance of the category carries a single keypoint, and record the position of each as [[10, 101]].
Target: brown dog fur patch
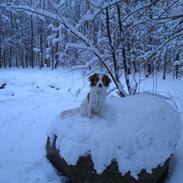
[[93, 79], [106, 80]]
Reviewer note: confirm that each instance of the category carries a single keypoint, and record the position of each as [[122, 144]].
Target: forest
[[124, 37], [127, 34]]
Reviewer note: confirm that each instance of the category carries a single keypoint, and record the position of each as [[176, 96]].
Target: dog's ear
[[93, 79], [106, 80]]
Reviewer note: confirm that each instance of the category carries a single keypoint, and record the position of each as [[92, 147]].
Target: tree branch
[[139, 9], [166, 41]]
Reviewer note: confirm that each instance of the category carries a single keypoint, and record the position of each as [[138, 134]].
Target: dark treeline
[[129, 35]]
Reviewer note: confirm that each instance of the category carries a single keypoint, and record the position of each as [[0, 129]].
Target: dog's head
[[99, 80]]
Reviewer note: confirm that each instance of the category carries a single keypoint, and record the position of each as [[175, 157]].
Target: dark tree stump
[[83, 171]]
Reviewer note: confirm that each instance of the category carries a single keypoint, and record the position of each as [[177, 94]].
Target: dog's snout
[[100, 85]]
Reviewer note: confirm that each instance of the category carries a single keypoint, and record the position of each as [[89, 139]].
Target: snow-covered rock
[[138, 132]]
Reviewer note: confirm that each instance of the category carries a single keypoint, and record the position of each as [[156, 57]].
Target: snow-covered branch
[[140, 9], [172, 37], [30, 10]]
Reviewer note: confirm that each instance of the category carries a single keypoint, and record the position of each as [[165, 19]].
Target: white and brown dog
[[93, 104]]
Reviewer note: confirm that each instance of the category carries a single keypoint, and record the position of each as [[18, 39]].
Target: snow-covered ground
[[28, 104]]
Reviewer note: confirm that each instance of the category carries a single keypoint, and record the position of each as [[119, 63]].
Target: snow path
[[24, 120], [29, 103], [22, 143]]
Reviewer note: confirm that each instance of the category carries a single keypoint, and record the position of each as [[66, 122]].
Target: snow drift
[[139, 132]]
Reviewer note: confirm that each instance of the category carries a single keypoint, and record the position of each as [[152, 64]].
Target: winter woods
[[124, 37]]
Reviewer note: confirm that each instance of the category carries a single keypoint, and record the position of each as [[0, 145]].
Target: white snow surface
[[137, 136], [28, 105]]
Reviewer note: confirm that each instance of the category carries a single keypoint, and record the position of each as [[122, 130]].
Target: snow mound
[[139, 132]]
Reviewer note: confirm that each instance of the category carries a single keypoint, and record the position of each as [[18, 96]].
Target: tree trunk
[[4, 58], [10, 55], [56, 50], [32, 44], [0, 58], [16, 60], [26, 59], [31, 40], [177, 66], [124, 52], [165, 65], [111, 46], [176, 71], [41, 51], [126, 70]]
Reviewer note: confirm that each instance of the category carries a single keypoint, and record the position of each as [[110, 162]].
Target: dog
[[93, 104]]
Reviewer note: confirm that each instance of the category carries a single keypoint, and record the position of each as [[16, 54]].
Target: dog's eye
[[96, 80]]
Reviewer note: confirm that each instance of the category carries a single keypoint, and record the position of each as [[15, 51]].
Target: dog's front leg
[[101, 109], [89, 110]]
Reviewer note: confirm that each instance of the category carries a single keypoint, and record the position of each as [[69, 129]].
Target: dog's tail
[[69, 113]]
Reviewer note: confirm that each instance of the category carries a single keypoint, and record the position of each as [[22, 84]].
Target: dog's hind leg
[[69, 113]]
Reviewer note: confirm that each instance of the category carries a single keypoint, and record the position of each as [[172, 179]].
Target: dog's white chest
[[97, 101], [93, 104]]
